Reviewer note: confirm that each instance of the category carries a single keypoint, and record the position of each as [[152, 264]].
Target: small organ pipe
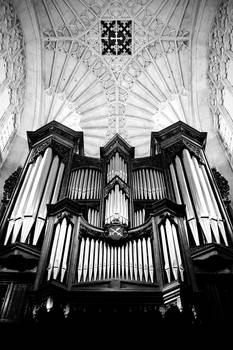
[[59, 248], [100, 259], [96, 259], [112, 262], [116, 205], [84, 184], [115, 262], [150, 260], [80, 263], [135, 265], [66, 251], [104, 260], [89, 183], [91, 262], [145, 259], [140, 259], [177, 249], [54, 247], [149, 187], [116, 167], [154, 195], [139, 217], [149, 184], [165, 253], [171, 249], [108, 262], [130, 255], [122, 261], [127, 262]]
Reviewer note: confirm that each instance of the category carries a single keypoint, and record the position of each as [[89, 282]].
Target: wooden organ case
[[114, 234]]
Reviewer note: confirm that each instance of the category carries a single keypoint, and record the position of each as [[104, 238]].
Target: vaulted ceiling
[[145, 86]]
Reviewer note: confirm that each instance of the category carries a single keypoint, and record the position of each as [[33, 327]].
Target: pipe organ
[[145, 225]]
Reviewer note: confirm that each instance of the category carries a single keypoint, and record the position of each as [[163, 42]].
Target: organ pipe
[[116, 206], [149, 184], [173, 265], [57, 266], [117, 167], [139, 217], [191, 218], [93, 217], [99, 260], [41, 186], [45, 199], [84, 184], [190, 181]]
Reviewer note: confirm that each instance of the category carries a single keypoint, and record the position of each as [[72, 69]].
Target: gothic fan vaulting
[[111, 65]]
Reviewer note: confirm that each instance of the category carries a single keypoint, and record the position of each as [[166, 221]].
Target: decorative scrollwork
[[177, 148], [61, 150]]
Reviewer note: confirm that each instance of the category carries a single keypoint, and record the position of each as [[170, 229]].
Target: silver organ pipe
[[93, 217], [191, 217], [41, 186], [99, 260], [139, 217], [58, 260], [45, 199], [117, 166], [149, 184], [191, 183], [116, 206], [84, 183], [173, 265]]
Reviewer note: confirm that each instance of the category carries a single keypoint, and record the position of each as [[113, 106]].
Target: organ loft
[[116, 234]]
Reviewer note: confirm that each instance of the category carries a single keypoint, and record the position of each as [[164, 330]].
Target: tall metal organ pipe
[[84, 183], [139, 217], [117, 167], [58, 258], [41, 185], [93, 217], [116, 206], [173, 265], [99, 260], [149, 184], [192, 186]]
